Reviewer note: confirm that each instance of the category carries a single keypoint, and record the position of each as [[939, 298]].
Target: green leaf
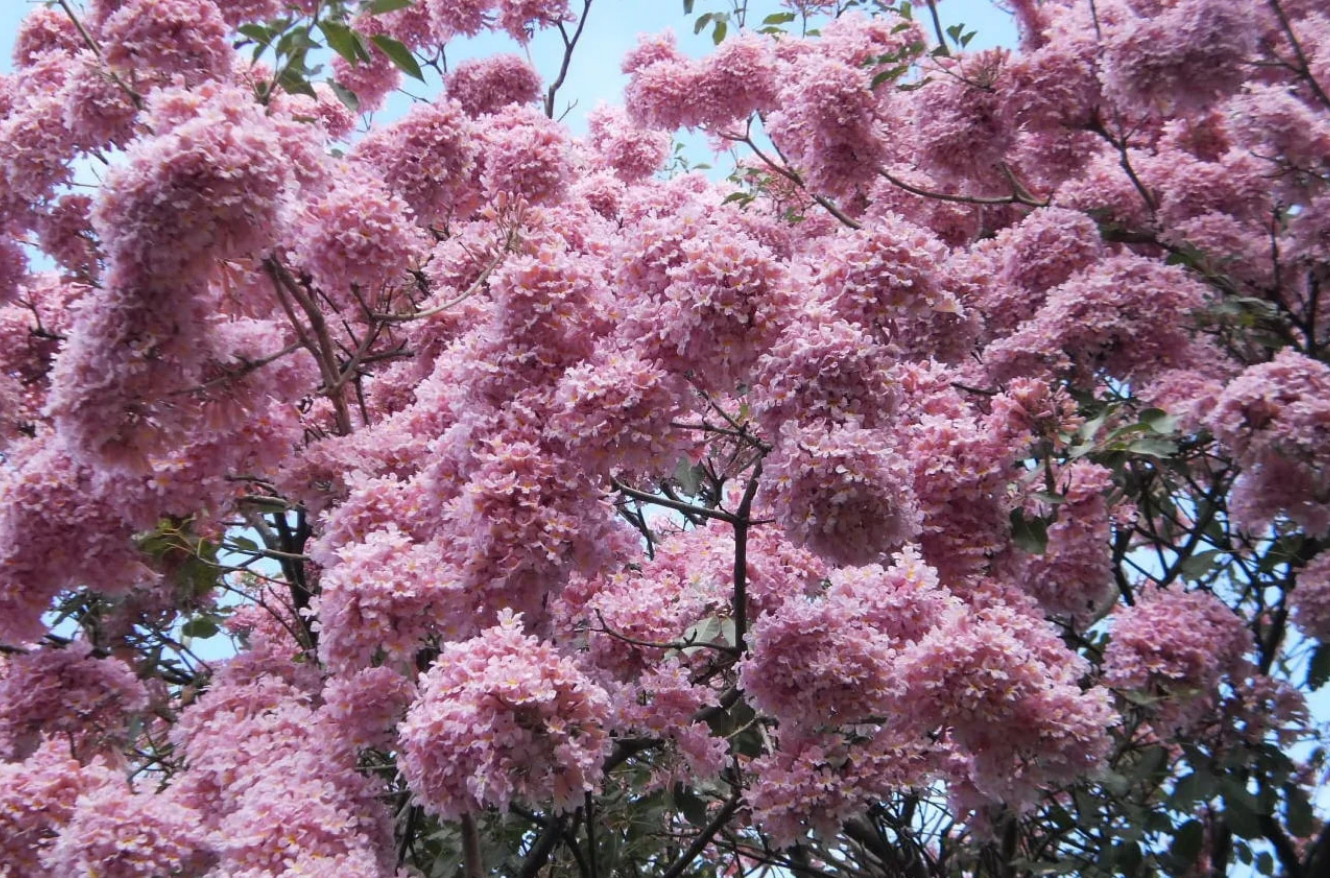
[[1129, 857], [378, 7], [779, 18], [200, 627], [1241, 810], [1029, 534], [242, 544], [1200, 564], [294, 82], [345, 95], [718, 35], [1318, 671], [342, 40], [706, 631], [702, 21], [1187, 842], [294, 42], [691, 805], [1159, 420], [1151, 760], [889, 74], [687, 7], [259, 33], [400, 55], [1153, 446], [1298, 812], [915, 86], [1197, 786]]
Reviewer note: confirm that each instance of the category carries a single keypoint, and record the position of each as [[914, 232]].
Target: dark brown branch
[[1016, 197], [1306, 71], [474, 865], [741, 525], [685, 508], [704, 838], [569, 44], [541, 850]]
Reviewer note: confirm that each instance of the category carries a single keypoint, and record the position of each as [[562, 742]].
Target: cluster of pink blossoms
[[504, 717], [893, 387]]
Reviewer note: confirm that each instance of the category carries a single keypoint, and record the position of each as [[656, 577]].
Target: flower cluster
[[502, 717]]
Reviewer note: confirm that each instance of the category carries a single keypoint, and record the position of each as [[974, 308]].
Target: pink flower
[[134, 835], [66, 694], [526, 156], [1174, 648], [428, 157], [633, 153], [487, 85], [357, 235], [1310, 599], [187, 37], [503, 717], [842, 491], [1274, 418]]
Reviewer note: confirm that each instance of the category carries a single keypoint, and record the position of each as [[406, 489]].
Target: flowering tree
[[946, 493]]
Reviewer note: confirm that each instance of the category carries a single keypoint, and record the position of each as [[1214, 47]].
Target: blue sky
[[612, 29]]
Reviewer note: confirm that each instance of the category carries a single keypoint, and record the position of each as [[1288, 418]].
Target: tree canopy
[[943, 492]]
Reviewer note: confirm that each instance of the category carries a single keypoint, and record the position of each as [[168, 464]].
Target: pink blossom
[[139, 835], [615, 412], [815, 664], [817, 782], [187, 37], [428, 157], [356, 235], [665, 703], [45, 29], [1273, 417], [829, 370], [487, 85], [826, 122], [237, 12], [1125, 314], [37, 799], [521, 18], [13, 269], [459, 17], [1310, 599], [207, 188], [880, 277], [386, 594], [713, 300], [82, 538], [1184, 55], [1074, 574], [526, 156], [633, 153], [1174, 648], [961, 132], [503, 717], [844, 492], [97, 112], [67, 694], [370, 81]]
